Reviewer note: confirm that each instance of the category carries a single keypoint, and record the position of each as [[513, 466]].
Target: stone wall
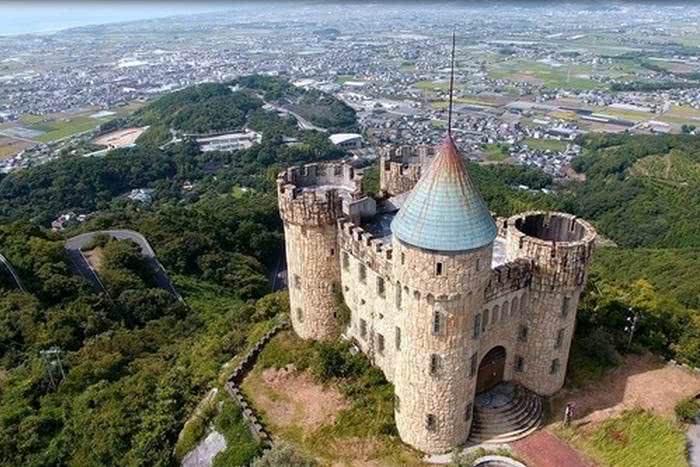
[[432, 383], [401, 166], [310, 213], [559, 246]]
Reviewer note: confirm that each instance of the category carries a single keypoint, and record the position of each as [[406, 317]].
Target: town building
[[347, 140], [458, 309], [229, 142]]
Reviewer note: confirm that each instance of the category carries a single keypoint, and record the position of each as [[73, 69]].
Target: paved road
[[74, 245], [13, 273], [304, 124], [694, 443]]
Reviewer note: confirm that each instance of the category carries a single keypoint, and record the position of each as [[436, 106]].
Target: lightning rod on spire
[[452, 83]]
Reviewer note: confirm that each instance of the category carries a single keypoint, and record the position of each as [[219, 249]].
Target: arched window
[[504, 310], [514, 306], [495, 313], [477, 326], [485, 320]]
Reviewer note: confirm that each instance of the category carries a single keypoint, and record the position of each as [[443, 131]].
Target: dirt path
[[642, 381], [291, 398], [546, 450]]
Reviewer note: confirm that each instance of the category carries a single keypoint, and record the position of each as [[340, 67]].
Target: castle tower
[[311, 199], [442, 248], [559, 246]]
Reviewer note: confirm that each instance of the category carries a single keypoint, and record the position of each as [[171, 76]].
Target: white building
[[230, 141], [347, 140]]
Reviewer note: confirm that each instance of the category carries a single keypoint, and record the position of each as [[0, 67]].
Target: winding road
[[75, 245], [13, 273]]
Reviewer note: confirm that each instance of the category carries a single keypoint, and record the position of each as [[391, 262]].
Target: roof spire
[[452, 83]]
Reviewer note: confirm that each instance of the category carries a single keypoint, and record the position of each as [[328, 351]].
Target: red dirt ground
[[543, 449]]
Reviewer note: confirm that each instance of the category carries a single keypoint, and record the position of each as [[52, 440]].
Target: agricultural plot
[[538, 73]]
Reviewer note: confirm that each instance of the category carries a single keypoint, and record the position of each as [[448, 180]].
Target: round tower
[[560, 247], [442, 247], [311, 200]]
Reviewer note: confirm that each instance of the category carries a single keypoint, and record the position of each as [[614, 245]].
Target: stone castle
[[445, 299]]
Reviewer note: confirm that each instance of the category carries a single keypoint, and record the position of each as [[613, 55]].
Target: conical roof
[[445, 211]]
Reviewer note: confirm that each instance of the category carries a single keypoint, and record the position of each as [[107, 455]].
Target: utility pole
[[52, 359], [632, 323]]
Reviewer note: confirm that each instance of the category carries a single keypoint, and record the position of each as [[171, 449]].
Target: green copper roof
[[445, 211]]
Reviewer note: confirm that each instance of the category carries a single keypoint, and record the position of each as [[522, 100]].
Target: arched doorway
[[491, 369]]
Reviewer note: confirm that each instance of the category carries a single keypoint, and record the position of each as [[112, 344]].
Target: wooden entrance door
[[491, 369]]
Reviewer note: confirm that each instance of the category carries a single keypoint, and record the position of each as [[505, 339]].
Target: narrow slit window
[[438, 269]]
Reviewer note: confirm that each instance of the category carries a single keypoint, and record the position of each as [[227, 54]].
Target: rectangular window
[[403, 258], [434, 364], [560, 339], [300, 315], [380, 287], [468, 412], [478, 264], [397, 403], [477, 326], [437, 323], [397, 338], [555, 366], [332, 251], [398, 295], [565, 306], [380, 344], [472, 364], [438, 269], [430, 423], [522, 333], [363, 273], [519, 363], [363, 328], [346, 261], [297, 281]]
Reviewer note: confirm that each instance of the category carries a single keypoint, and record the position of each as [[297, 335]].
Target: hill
[[641, 191]]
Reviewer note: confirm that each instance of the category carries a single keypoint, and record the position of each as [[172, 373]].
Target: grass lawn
[[497, 152], [58, 129], [431, 85], [362, 430], [344, 78], [241, 448], [546, 144], [569, 77], [462, 100], [635, 439]]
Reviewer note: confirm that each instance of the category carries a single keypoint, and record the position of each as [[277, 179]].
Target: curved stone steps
[[509, 421], [497, 428], [519, 413]]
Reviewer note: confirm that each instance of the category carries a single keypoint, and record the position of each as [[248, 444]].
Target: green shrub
[[687, 409], [241, 448], [283, 454], [335, 360]]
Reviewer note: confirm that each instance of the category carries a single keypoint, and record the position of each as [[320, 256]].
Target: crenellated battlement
[[319, 193], [559, 245], [374, 252], [401, 166], [507, 278]]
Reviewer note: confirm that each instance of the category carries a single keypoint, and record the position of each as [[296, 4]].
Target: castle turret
[[401, 166], [442, 247], [559, 246], [311, 199]]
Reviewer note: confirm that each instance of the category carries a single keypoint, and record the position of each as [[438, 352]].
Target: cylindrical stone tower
[[560, 247], [311, 201], [442, 247]]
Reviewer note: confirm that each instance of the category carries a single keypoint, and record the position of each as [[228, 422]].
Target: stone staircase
[[505, 413]]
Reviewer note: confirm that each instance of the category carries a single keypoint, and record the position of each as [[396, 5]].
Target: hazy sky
[[26, 17]]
